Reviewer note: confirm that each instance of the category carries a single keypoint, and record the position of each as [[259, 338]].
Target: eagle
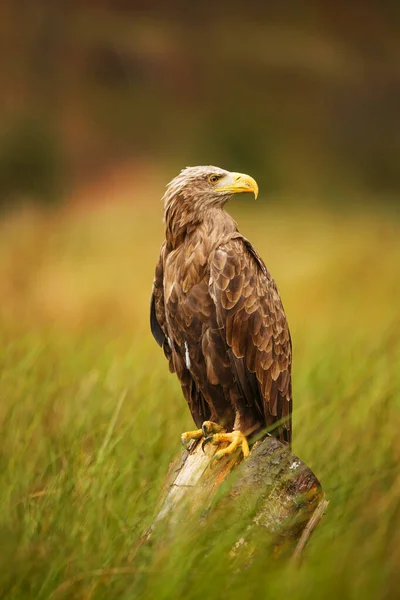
[[217, 314]]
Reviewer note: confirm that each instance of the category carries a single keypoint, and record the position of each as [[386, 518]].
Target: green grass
[[91, 418]]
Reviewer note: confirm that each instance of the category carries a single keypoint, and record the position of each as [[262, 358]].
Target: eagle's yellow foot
[[207, 428], [236, 440]]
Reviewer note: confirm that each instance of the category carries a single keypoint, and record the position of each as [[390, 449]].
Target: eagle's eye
[[214, 178]]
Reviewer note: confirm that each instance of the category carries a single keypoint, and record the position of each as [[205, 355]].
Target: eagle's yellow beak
[[236, 183]]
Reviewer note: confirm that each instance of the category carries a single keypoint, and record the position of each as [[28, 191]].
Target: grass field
[[91, 418]]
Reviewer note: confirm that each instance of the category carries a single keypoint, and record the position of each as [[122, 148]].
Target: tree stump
[[283, 496]]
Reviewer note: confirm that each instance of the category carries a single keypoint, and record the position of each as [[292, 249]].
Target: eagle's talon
[[188, 436], [207, 440], [209, 427], [236, 441]]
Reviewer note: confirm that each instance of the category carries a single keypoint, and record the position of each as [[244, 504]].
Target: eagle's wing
[[177, 363], [157, 307], [252, 320]]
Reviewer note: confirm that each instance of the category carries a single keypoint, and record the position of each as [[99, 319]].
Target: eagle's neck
[[182, 217], [180, 220]]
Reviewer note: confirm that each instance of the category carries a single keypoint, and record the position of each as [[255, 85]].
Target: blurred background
[[305, 95], [102, 103]]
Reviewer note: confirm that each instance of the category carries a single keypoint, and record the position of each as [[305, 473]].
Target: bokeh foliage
[[304, 95]]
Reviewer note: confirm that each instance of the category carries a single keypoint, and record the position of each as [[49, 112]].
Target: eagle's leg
[[208, 427], [236, 440]]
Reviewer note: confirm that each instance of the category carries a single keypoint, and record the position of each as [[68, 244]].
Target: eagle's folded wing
[[251, 316]]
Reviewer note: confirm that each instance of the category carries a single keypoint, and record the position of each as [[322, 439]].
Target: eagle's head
[[205, 187]]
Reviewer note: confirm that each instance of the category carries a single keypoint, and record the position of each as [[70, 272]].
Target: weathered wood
[[283, 495]]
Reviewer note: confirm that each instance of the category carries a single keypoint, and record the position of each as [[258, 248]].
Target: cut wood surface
[[284, 496]]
